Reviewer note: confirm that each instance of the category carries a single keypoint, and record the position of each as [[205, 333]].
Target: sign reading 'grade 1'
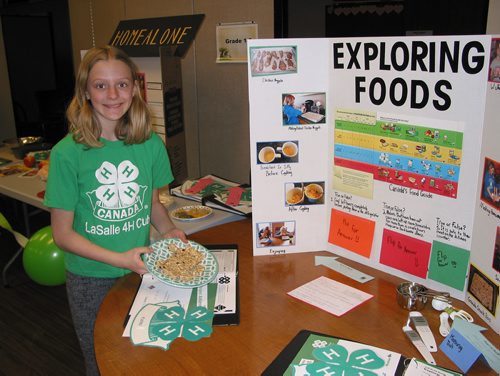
[[144, 37]]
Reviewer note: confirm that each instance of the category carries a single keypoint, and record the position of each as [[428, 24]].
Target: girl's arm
[[70, 241], [161, 220]]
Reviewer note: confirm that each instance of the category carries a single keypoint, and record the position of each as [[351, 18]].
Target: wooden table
[[269, 318]]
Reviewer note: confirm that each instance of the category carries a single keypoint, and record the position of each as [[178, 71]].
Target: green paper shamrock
[[336, 360], [170, 323]]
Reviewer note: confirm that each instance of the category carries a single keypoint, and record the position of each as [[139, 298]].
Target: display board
[[376, 149]]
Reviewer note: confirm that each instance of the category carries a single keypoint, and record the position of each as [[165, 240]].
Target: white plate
[[191, 213], [161, 252], [186, 185]]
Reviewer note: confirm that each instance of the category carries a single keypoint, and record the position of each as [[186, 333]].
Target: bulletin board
[[231, 40], [376, 150]]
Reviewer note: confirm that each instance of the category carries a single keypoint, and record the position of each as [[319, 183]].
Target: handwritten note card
[[465, 344], [449, 264], [405, 253], [329, 295], [351, 232]]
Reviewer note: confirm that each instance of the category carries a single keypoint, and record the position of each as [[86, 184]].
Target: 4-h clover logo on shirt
[[336, 360], [118, 188]]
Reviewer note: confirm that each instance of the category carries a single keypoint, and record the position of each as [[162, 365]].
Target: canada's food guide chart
[[379, 150]]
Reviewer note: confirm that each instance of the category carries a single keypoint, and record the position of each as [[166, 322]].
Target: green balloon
[[4, 223], [43, 260]]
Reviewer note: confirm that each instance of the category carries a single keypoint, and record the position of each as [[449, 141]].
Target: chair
[[21, 240]]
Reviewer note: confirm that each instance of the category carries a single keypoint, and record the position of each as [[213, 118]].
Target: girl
[[290, 113], [103, 184], [490, 186]]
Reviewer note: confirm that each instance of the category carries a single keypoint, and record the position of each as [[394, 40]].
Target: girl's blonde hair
[[134, 127]]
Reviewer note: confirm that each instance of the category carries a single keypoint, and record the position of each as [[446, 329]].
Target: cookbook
[[217, 193], [309, 352]]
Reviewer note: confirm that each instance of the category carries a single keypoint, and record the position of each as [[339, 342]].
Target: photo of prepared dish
[[304, 193], [181, 264], [294, 196], [313, 192], [273, 60], [483, 289], [277, 152], [191, 213]]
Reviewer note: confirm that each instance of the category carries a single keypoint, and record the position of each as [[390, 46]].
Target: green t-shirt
[[109, 189]]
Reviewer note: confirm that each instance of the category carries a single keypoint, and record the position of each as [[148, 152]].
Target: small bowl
[[294, 196], [30, 140], [289, 149], [191, 213], [15, 142], [411, 296], [267, 154], [313, 192]]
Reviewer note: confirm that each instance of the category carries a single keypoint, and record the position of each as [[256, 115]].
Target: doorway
[[37, 41]]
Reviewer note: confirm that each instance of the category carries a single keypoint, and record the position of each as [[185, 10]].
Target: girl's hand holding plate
[[133, 259], [175, 233]]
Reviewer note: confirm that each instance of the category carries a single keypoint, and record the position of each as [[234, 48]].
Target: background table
[[25, 190], [269, 318]]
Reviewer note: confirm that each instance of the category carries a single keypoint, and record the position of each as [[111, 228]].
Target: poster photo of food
[[281, 233], [303, 108], [483, 289], [265, 61], [490, 192], [278, 152], [305, 193]]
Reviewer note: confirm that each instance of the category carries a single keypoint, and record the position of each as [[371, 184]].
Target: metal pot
[[21, 141], [411, 296]]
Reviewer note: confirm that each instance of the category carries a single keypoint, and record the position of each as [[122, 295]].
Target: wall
[[7, 125], [297, 13], [493, 23], [215, 95]]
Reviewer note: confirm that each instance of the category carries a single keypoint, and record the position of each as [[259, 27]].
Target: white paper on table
[[329, 295], [225, 301], [418, 368], [153, 291]]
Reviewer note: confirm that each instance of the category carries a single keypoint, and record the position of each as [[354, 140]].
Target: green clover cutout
[[170, 323], [213, 188], [198, 324], [166, 323], [336, 360]]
